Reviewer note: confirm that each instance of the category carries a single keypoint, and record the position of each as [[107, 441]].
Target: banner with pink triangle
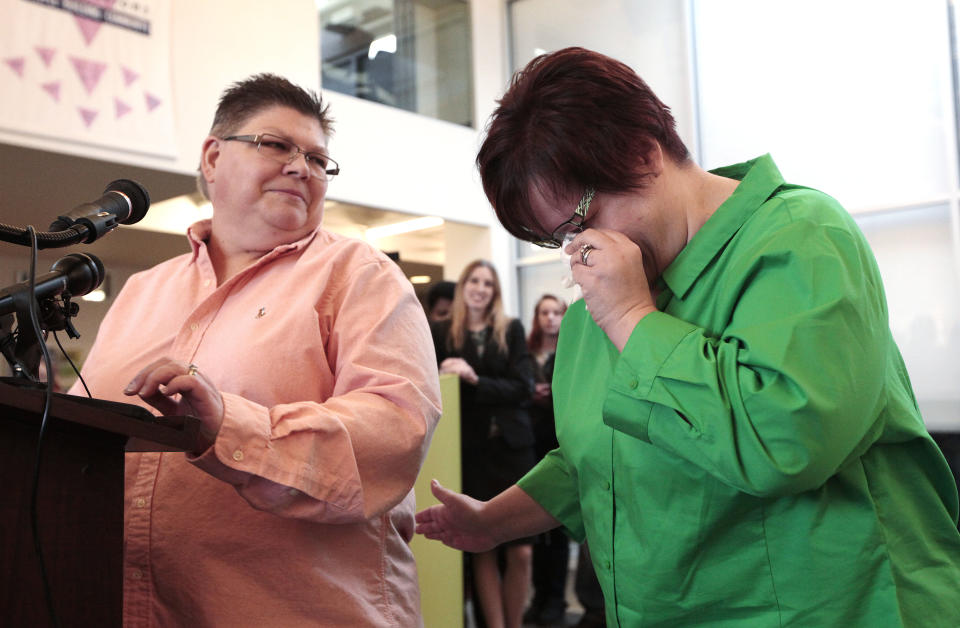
[[88, 71]]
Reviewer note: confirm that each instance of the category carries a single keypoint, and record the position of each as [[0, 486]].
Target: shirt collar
[[759, 179], [199, 232]]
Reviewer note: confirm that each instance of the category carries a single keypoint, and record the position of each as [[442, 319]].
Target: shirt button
[[194, 327], [605, 485], [606, 565], [140, 502], [206, 284], [238, 455], [634, 383], [293, 491], [136, 574]]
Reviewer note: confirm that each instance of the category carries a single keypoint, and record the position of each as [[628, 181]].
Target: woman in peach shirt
[[309, 363]]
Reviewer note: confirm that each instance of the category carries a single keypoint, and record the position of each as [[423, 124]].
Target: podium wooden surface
[[79, 501]]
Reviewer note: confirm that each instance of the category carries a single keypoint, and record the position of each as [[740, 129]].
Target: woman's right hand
[[456, 521], [541, 393], [176, 388], [615, 287], [459, 367]]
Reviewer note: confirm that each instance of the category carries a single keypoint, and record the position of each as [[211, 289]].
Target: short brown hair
[[570, 120], [244, 99]]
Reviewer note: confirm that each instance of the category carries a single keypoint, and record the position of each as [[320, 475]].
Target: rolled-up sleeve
[[779, 399], [357, 453]]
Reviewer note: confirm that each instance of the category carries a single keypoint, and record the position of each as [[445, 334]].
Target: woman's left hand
[[175, 388], [457, 521], [612, 280]]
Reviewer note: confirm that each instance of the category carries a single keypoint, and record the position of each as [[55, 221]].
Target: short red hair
[[571, 119]]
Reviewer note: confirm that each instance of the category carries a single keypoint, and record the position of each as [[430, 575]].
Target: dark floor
[[570, 620], [574, 609]]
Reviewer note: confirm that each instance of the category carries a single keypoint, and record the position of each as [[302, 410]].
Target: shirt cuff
[[550, 484], [652, 342], [239, 445]]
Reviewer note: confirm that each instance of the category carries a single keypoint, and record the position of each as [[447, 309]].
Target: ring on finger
[[192, 370], [585, 253]]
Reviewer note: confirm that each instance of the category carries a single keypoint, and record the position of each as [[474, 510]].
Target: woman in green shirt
[[738, 438]]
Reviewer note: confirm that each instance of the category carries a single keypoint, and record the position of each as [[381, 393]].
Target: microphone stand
[[23, 352]]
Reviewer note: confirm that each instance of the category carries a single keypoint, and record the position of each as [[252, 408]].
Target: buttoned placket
[[137, 574]]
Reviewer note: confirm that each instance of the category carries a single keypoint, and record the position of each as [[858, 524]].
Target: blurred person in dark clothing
[[551, 550]]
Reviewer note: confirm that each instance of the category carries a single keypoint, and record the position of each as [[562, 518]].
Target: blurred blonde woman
[[488, 352]]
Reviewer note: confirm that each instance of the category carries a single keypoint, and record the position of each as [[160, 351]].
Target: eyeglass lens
[[281, 150]]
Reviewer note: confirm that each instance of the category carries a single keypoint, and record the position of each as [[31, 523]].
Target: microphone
[[77, 273], [123, 202]]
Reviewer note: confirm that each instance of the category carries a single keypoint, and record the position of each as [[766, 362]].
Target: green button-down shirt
[[755, 456]]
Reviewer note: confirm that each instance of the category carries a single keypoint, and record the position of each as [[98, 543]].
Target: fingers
[[183, 384], [161, 381], [585, 245], [430, 520], [450, 365], [158, 373], [442, 494], [163, 404]]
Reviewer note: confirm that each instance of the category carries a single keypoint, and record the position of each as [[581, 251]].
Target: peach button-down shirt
[[301, 512]]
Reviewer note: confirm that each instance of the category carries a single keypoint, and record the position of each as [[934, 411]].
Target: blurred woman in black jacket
[[488, 352], [551, 551]]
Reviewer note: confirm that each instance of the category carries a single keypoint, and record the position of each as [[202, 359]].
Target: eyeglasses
[[572, 225], [284, 151]]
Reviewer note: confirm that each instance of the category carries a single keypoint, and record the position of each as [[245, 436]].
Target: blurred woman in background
[[487, 351], [551, 551]]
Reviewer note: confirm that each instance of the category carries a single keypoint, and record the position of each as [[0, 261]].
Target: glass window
[[410, 54], [919, 258], [541, 278], [836, 105]]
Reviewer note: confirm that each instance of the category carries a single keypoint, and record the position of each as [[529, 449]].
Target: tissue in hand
[[566, 278]]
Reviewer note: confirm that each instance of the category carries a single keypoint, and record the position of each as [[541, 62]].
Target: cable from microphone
[[123, 202]]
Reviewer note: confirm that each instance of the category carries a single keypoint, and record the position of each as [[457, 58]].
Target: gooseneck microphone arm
[[123, 202], [45, 239]]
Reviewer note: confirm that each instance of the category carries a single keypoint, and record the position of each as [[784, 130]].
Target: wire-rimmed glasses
[[574, 224], [283, 151]]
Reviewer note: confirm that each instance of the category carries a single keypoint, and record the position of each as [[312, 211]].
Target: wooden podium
[[79, 501]]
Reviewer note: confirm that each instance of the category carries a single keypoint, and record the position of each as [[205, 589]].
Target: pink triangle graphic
[[88, 115], [89, 28], [88, 71], [53, 89], [16, 64], [152, 101], [122, 108], [46, 55], [129, 76]]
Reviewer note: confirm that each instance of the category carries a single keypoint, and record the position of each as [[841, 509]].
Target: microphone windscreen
[[139, 199], [83, 272]]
